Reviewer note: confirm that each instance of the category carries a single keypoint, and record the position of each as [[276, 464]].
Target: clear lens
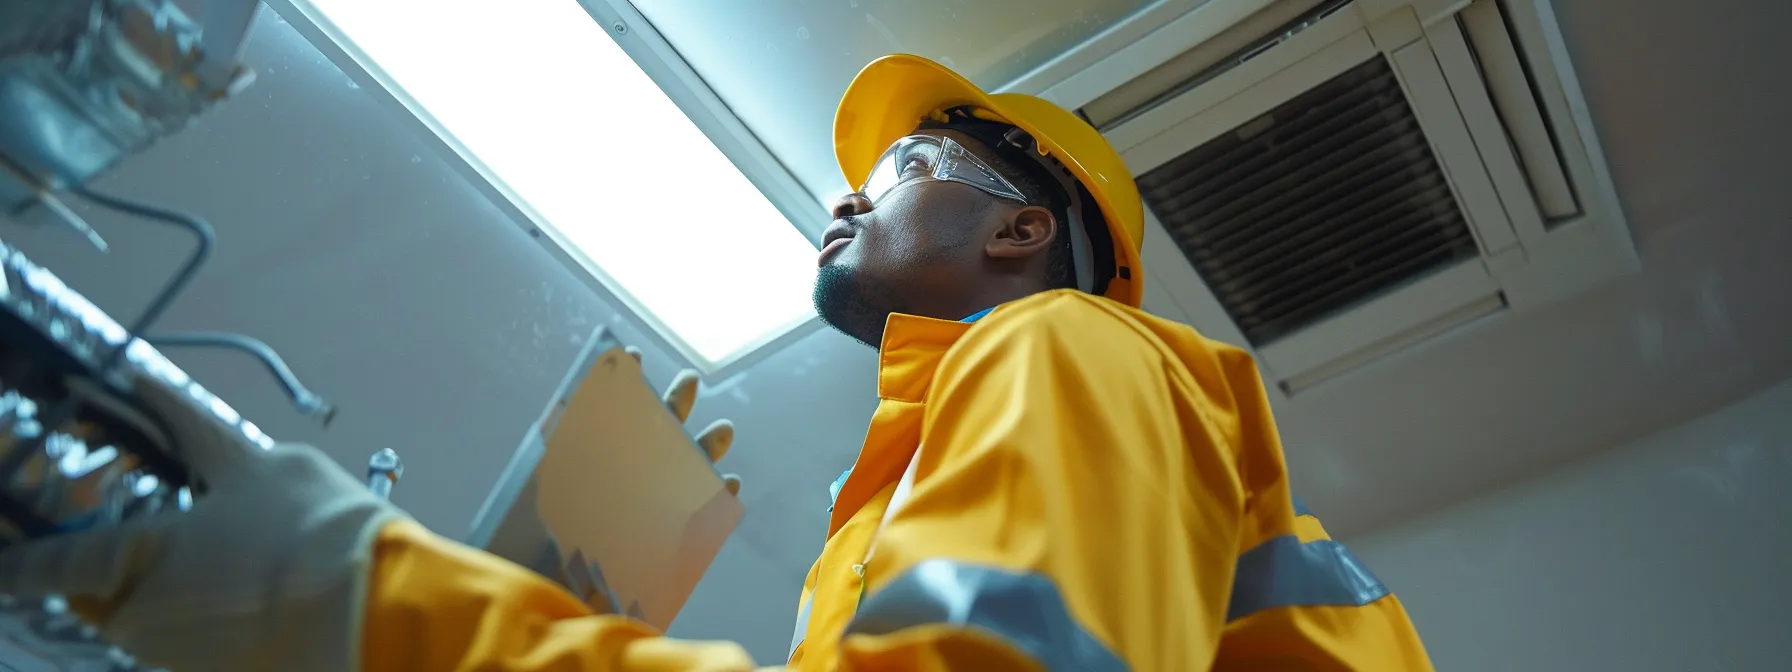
[[930, 157], [960, 165], [918, 159], [910, 158], [884, 177]]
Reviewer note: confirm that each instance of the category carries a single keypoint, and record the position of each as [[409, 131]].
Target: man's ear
[[1024, 233]]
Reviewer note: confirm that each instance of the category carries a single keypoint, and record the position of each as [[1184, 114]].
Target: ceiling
[[781, 65], [440, 329]]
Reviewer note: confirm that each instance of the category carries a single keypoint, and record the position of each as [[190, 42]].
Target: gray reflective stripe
[[1022, 608], [1300, 508], [1283, 572], [802, 627]]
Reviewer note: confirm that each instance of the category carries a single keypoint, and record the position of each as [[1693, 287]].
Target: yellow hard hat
[[894, 94]]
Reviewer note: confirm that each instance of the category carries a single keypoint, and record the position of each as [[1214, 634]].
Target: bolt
[[383, 470]]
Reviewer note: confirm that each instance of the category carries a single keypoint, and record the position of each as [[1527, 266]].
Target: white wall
[[1668, 553]]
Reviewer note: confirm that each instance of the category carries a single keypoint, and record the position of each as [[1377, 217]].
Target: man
[[1053, 479]]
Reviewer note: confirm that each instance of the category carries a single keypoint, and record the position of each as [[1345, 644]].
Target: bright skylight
[[553, 107]]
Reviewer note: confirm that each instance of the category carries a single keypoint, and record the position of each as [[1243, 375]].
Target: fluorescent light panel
[[554, 108]]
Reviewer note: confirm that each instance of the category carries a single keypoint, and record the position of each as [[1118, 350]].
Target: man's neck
[[981, 298]]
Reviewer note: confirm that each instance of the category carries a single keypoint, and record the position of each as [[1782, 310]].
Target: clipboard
[[609, 496]]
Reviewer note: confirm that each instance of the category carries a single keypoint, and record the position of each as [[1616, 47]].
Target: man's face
[[921, 241]]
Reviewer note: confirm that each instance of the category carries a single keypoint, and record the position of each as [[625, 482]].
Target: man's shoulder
[[1086, 323]]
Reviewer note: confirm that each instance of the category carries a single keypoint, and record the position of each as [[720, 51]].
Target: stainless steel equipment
[[83, 85]]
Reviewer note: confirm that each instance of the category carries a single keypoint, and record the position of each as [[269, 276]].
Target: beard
[[852, 304]]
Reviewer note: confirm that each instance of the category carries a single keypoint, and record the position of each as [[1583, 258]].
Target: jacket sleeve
[[437, 606], [1074, 506]]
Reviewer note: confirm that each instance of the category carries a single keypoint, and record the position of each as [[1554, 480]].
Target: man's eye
[[915, 163]]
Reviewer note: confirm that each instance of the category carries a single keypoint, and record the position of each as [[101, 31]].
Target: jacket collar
[[912, 349]]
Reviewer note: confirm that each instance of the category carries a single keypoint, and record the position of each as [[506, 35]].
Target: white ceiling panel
[[781, 65]]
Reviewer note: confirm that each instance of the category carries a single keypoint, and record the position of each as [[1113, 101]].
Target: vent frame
[[1525, 261]]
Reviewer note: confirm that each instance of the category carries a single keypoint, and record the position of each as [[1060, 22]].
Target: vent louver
[[1330, 199]]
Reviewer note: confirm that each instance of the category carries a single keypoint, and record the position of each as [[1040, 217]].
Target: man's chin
[[843, 302]]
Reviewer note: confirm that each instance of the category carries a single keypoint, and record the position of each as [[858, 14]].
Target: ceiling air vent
[[1333, 183], [1330, 199]]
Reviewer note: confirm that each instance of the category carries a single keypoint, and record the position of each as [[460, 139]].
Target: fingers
[[99, 565], [680, 398], [716, 438], [681, 395]]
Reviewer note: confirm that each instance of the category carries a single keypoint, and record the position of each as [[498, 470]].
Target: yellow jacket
[[1065, 484]]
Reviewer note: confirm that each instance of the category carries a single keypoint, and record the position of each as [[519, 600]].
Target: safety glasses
[[927, 157]]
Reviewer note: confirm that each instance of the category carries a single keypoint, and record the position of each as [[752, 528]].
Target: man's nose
[[851, 204]]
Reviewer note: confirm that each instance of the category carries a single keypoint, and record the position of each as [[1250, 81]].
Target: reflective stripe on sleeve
[[1283, 572], [1022, 608]]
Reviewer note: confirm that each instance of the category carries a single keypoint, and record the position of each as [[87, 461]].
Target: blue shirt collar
[[978, 315]]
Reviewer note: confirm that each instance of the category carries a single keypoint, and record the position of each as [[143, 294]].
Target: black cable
[[305, 399], [201, 230]]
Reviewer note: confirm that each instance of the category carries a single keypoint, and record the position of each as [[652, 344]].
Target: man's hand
[[267, 571], [715, 439]]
